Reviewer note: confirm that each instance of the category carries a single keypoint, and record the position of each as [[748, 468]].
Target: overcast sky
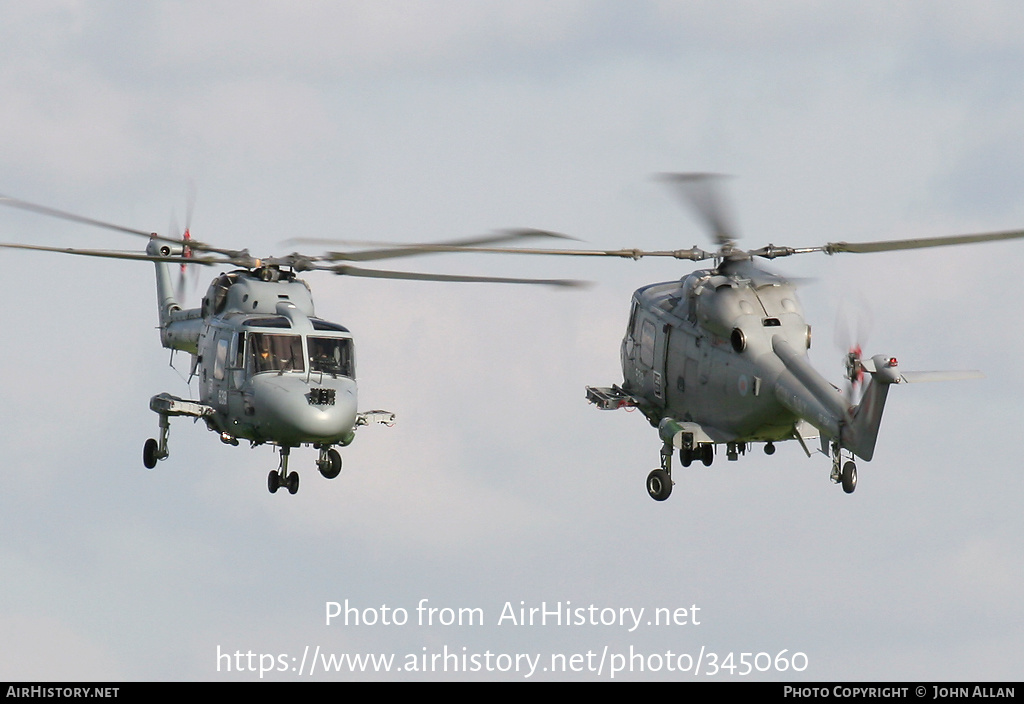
[[417, 121]]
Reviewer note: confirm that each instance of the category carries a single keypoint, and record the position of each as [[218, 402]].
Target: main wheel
[[659, 485], [149, 451], [333, 469], [293, 482], [273, 481], [849, 477]]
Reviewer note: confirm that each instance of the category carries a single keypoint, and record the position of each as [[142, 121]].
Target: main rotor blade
[[894, 245], [390, 250], [64, 215], [109, 254], [700, 193], [694, 254], [345, 270]]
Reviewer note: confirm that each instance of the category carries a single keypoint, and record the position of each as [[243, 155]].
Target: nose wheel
[[275, 482], [281, 477]]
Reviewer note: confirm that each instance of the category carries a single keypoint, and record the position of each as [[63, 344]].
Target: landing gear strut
[[153, 450], [659, 481], [843, 473], [165, 406], [281, 477]]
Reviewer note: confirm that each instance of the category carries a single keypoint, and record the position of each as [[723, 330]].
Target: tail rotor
[[850, 338], [854, 373], [186, 276]]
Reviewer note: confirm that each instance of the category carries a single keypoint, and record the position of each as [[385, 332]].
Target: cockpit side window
[[220, 291], [331, 355], [271, 352], [631, 329], [239, 360]]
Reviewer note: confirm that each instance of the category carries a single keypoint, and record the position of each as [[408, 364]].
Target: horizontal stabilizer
[[879, 362], [955, 375]]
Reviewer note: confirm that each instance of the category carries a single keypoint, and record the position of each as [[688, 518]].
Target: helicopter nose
[[292, 411]]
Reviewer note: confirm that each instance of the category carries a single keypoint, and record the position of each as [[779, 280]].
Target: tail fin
[[862, 433], [166, 300], [179, 329]]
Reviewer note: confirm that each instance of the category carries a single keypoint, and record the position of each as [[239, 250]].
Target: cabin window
[[647, 343], [220, 358], [331, 355], [271, 352]]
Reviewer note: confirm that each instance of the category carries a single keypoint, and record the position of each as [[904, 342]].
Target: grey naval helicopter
[[269, 370], [719, 357]]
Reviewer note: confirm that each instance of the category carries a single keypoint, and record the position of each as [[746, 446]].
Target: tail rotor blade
[[851, 335], [185, 274]]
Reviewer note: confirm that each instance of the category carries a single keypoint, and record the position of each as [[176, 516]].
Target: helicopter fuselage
[[700, 349], [720, 357], [268, 369]]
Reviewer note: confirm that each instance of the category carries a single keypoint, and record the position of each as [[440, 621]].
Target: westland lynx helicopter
[[269, 370], [719, 357]]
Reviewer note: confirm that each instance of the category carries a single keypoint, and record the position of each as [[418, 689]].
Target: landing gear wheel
[[707, 454], [685, 456], [293, 482], [849, 477], [273, 481], [659, 485], [333, 468], [149, 453]]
